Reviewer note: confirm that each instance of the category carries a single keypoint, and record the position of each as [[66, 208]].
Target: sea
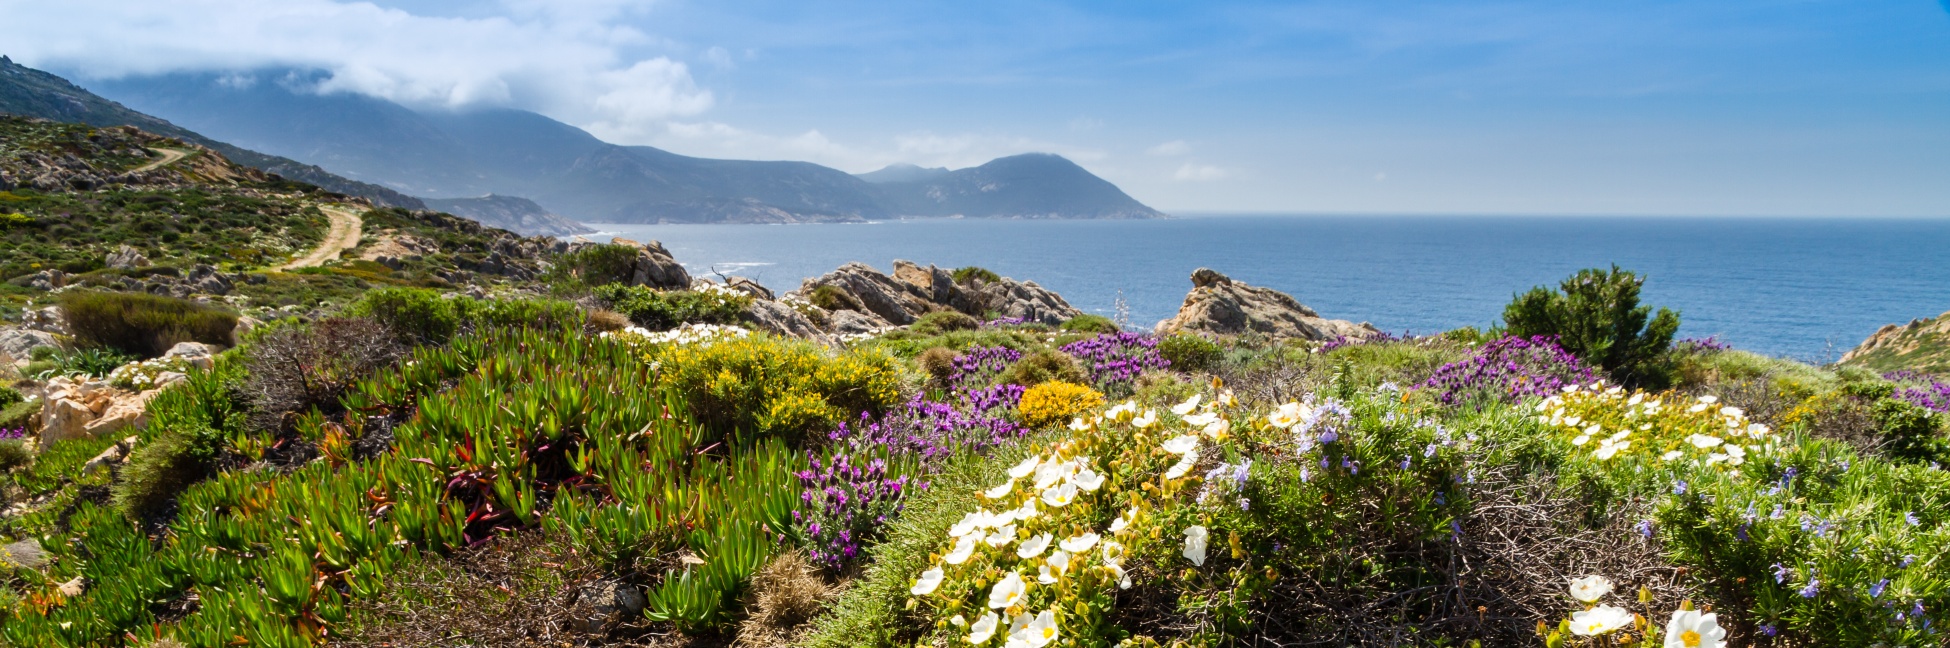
[[1805, 288]]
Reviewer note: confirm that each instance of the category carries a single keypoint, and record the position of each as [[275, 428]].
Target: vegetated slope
[[33, 93], [570, 172], [511, 213], [1921, 345]]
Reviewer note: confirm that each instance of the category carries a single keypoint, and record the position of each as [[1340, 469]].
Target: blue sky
[[1556, 107]]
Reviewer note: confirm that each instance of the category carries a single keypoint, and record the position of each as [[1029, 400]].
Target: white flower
[[1226, 399], [1732, 411], [1007, 592], [1690, 629], [1060, 496], [1080, 543], [1002, 536], [1195, 544], [1581, 440], [1201, 419], [1145, 420], [1590, 588], [1599, 620], [930, 580], [964, 548], [1080, 425], [1052, 471], [1088, 479], [1287, 415], [1054, 567], [1671, 455], [1181, 445], [1593, 429], [1737, 454], [984, 628], [1042, 631], [1608, 449], [1023, 469], [1034, 546], [1709, 399], [1002, 491], [1217, 429], [1122, 522], [1183, 466], [1704, 441], [1028, 509], [1186, 407], [1123, 579], [1126, 407]]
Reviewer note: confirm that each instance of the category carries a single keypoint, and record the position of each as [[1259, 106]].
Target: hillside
[[29, 92], [509, 213], [569, 172], [1922, 345]]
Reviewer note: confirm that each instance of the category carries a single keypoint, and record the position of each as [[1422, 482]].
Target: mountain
[[567, 171], [902, 172], [510, 213], [32, 93]]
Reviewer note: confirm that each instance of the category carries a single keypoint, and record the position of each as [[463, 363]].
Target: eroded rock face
[[892, 301], [20, 343], [74, 408], [780, 319], [1023, 300], [1219, 305], [914, 290], [655, 267]]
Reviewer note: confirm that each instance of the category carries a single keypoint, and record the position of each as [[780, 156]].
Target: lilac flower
[[1911, 518], [1644, 528], [1934, 396], [1909, 559], [1769, 629], [1510, 369], [1875, 591], [1371, 338], [1002, 322], [1814, 587], [1781, 573], [979, 365], [1115, 360], [1679, 487], [1699, 345], [12, 434]]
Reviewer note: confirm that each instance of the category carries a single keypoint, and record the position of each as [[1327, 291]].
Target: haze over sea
[[1808, 288]]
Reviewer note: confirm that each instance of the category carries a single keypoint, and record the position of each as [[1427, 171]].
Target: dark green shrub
[[416, 315], [1910, 432], [599, 264], [1596, 315], [1044, 366], [95, 362], [19, 416], [1190, 353], [1090, 324], [189, 427], [833, 299], [540, 314], [9, 396], [967, 274], [939, 322], [298, 368], [143, 324], [660, 309], [1869, 390]]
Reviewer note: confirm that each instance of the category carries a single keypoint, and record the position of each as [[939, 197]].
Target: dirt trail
[[168, 156], [343, 236]]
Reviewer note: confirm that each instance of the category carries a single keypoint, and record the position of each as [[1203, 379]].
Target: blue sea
[[1807, 288]]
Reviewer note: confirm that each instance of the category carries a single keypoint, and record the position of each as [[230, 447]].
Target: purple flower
[[1698, 345], [1934, 396], [1645, 528], [1510, 369], [1813, 589], [1769, 629], [1911, 518], [1115, 360], [1781, 573], [1875, 591], [1679, 487]]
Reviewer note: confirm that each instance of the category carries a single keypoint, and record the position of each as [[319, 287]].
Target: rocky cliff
[[1219, 305], [1921, 345]]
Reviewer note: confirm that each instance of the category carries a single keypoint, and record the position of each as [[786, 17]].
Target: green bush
[[418, 316], [190, 425], [143, 324], [1045, 366], [1090, 324], [938, 363], [1910, 432], [939, 322], [1190, 353], [94, 362], [833, 299], [18, 415], [659, 310], [599, 264], [775, 386], [14, 454], [966, 274], [1596, 315], [9, 396]]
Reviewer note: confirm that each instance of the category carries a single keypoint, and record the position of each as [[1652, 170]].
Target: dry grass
[[785, 594]]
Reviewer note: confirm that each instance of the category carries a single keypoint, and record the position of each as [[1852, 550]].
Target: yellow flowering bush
[[1039, 562], [761, 383], [1611, 422], [1056, 401]]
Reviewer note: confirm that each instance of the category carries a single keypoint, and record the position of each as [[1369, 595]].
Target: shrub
[[939, 322], [538, 314], [969, 274], [1190, 353], [766, 385], [190, 425], [1090, 324], [1044, 366], [833, 299], [1612, 423], [415, 315], [13, 453], [1115, 360], [603, 320], [597, 265], [9, 396], [296, 369], [1596, 315], [981, 365], [143, 324], [94, 362], [1510, 369], [1934, 396], [1909, 432], [662, 310], [938, 363], [1056, 402]]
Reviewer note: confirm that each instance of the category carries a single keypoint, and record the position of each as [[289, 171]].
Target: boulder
[[126, 258], [47, 280], [45, 319], [197, 354], [607, 602], [850, 322], [26, 554], [72, 410], [885, 298], [1219, 305], [655, 267], [780, 319], [935, 284], [1020, 299], [245, 324], [206, 279], [21, 343]]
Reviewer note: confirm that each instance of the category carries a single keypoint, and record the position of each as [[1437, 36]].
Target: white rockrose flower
[[1600, 620], [1195, 537], [1590, 588], [1007, 592], [929, 581], [1690, 629]]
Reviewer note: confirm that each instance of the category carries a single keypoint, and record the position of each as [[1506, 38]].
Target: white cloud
[[1170, 149], [1199, 173], [567, 59], [928, 149], [720, 58]]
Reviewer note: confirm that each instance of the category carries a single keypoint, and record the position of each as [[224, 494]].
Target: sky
[[1731, 107]]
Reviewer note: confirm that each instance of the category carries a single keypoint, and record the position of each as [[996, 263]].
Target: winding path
[[343, 236], [168, 156]]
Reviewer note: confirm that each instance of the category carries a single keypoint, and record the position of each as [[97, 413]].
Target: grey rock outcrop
[[655, 267], [21, 342], [45, 319], [126, 258], [1219, 305], [890, 300], [92, 408], [26, 554], [780, 319], [914, 290]]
